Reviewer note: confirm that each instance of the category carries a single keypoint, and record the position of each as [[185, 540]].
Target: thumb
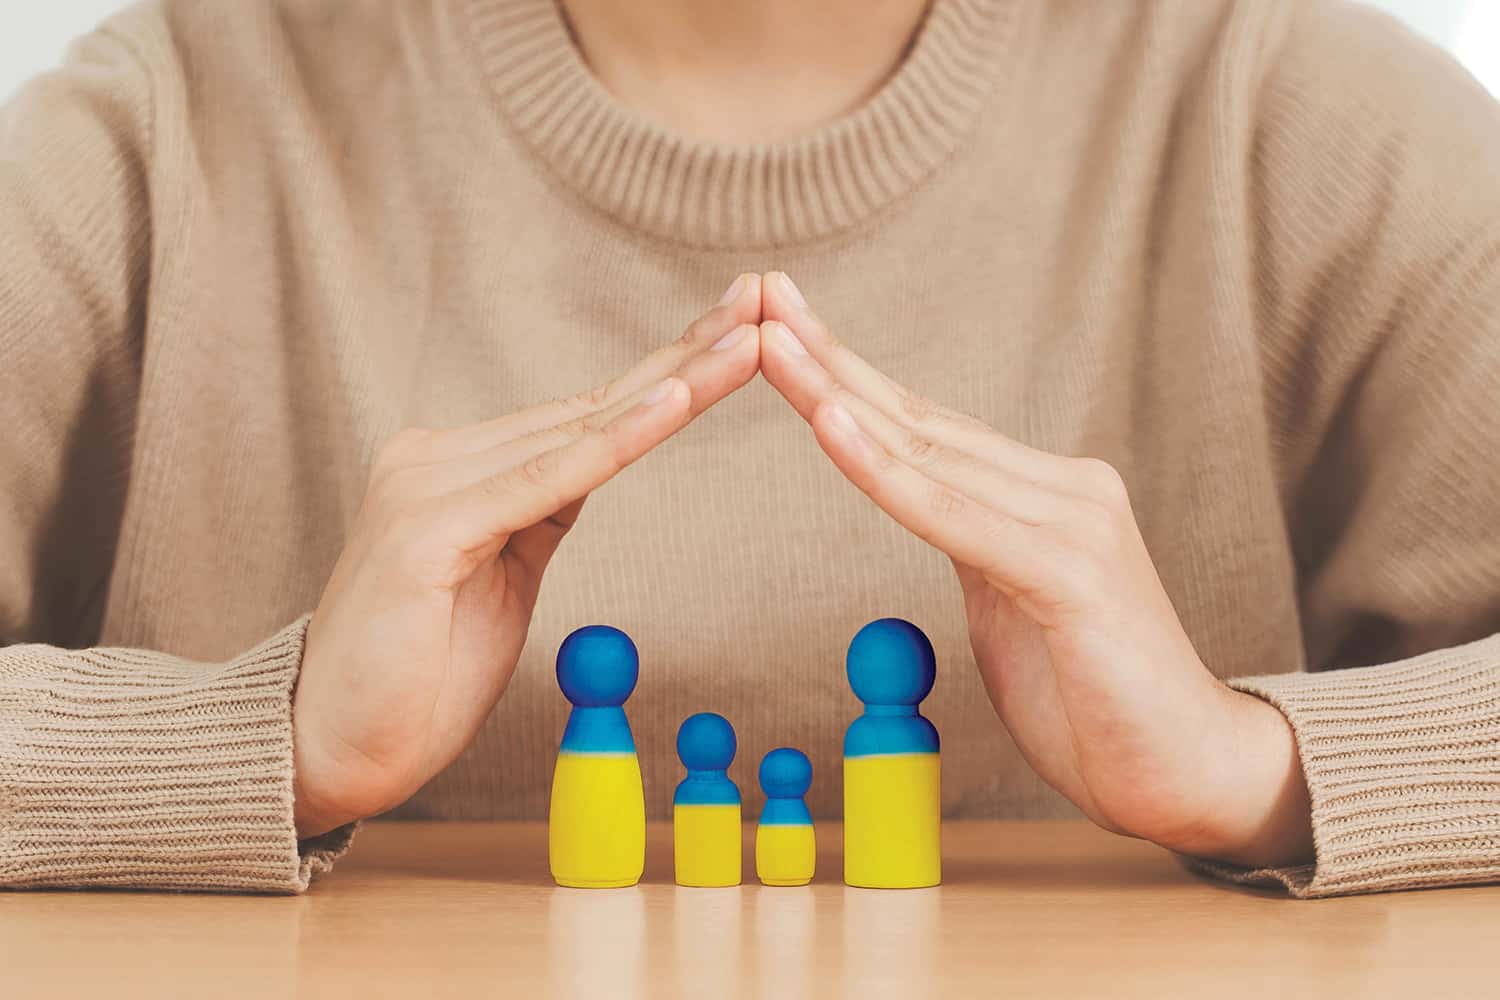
[[528, 551]]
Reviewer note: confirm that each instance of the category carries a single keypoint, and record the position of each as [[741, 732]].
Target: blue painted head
[[785, 773], [891, 662], [597, 666], [706, 742]]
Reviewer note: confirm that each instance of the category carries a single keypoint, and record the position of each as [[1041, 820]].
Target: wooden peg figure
[[596, 825], [706, 808], [892, 770], [785, 849]]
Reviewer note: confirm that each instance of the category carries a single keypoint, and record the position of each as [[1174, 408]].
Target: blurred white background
[[33, 35]]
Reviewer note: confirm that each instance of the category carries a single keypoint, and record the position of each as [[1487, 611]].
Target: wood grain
[[1026, 909]]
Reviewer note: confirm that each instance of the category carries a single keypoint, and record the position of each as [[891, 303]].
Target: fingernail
[[731, 338], [840, 419], [789, 339], [658, 392], [793, 291], [733, 291]]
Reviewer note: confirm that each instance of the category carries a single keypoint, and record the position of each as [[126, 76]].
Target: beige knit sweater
[[1247, 252]]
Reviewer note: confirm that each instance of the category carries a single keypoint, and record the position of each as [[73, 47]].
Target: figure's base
[[596, 830], [785, 853], [621, 883], [706, 846], [893, 821]]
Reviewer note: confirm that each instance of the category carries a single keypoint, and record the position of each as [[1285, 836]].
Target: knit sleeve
[[130, 769], [117, 767], [1402, 762], [1379, 198]]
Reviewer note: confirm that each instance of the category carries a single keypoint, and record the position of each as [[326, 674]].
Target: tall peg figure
[[785, 850], [706, 807], [596, 826], [892, 770]]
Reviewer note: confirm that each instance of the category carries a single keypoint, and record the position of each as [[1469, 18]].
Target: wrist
[[309, 820], [1262, 814], [309, 815], [312, 813]]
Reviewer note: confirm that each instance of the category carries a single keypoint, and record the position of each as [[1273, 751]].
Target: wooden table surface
[[1027, 909]]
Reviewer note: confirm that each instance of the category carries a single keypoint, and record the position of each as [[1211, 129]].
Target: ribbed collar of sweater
[[713, 195]]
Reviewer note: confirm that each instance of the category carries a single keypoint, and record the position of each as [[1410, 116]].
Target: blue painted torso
[[785, 812], [886, 729], [706, 788], [597, 730]]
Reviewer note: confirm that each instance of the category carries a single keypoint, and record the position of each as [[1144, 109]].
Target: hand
[[425, 614], [1077, 642]]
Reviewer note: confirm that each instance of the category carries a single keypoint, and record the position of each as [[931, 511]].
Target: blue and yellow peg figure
[[785, 850], [706, 808], [596, 827], [892, 774]]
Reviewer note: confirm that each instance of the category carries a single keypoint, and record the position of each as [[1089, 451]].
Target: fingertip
[[840, 434], [743, 298], [780, 295], [790, 369], [754, 286], [735, 337], [740, 354], [743, 362], [782, 339], [733, 293], [770, 350], [783, 287], [752, 348]]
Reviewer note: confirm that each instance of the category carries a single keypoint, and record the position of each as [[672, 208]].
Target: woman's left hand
[[1077, 642]]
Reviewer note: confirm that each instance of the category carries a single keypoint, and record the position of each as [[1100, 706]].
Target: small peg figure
[[892, 771], [706, 808], [785, 850], [596, 826]]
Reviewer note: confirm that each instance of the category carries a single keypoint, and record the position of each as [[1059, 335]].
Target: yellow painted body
[[785, 854], [706, 845], [596, 827], [893, 821]]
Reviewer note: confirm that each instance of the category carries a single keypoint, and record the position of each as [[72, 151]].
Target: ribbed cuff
[[133, 769], [1403, 766]]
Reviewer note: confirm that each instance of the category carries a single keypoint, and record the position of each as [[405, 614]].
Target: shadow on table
[[469, 852], [1077, 873]]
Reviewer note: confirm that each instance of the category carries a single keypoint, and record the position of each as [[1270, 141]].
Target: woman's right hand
[[423, 620]]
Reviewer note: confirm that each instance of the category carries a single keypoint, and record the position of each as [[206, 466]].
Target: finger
[[740, 305], [1012, 554], [794, 373], [476, 518], [989, 485], [807, 385], [709, 376], [908, 408], [784, 305]]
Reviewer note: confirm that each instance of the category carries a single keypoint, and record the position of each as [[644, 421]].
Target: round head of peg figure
[[597, 666], [705, 742], [785, 773], [891, 662]]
